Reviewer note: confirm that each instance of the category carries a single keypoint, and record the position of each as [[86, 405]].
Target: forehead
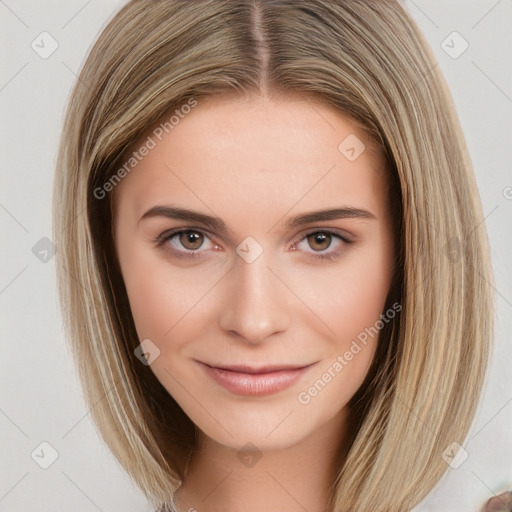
[[258, 155]]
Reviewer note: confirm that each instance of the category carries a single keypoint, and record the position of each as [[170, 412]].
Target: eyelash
[[166, 236]]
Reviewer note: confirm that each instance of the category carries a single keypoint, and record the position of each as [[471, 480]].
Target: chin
[[268, 428]]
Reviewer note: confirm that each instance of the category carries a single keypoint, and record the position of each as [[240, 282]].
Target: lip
[[250, 381]]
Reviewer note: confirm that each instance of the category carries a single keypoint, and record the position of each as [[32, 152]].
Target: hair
[[369, 61]]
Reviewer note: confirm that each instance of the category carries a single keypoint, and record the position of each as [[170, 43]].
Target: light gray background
[[40, 399]]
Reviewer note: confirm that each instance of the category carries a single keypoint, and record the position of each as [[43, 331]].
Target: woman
[[274, 273]]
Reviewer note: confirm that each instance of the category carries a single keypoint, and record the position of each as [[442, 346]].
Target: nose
[[257, 302]]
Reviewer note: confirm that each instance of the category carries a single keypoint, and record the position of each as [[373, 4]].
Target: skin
[[501, 503], [255, 163]]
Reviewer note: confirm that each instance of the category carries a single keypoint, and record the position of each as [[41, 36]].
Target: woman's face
[[255, 241]]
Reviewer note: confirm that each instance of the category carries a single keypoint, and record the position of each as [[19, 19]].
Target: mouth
[[255, 381]]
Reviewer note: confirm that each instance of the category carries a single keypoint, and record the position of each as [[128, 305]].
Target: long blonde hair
[[370, 61]]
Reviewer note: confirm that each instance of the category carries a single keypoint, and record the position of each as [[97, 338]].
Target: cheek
[[350, 296], [165, 301], [352, 306], [350, 300]]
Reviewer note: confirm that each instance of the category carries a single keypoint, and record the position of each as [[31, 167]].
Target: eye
[[185, 243], [321, 240]]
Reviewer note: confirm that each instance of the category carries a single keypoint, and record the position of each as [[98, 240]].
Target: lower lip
[[259, 384]]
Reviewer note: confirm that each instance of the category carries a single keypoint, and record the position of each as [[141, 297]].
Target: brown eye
[[191, 239], [185, 243], [319, 244], [319, 241]]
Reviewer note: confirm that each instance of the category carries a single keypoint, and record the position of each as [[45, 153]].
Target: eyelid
[[169, 233], [165, 236], [325, 255], [330, 231], [162, 237]]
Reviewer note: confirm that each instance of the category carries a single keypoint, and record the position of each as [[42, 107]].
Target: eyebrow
[[218, 225]]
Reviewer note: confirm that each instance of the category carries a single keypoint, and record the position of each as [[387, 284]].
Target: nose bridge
[[255, 305]]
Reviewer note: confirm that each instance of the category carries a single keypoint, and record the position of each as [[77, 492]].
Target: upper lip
[[241, 368]]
